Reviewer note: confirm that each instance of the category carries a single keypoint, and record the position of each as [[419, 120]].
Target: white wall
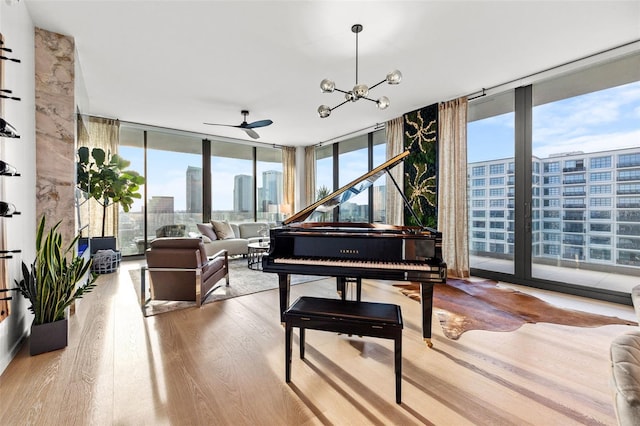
[[18, 31]]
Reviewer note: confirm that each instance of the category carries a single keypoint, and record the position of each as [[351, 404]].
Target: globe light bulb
[[360, 90], [383, 102], [324, 111], [327, 86], [350, 96], [394, 77]]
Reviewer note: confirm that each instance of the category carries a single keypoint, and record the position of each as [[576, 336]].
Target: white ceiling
[[177, 64]]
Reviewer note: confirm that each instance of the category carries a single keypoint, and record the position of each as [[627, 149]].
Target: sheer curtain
[[288, 179], [452, 186], [310, 178], [395, 145], [103, 133]]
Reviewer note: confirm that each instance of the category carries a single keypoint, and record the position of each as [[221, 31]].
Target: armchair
[[179, 270]]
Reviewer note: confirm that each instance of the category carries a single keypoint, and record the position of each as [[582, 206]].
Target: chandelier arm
[[377, 84], [339, 105], [369, 99], [340, 90]]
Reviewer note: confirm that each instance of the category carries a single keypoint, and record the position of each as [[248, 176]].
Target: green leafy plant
[[106, 179], [323, 191], [51, 283]]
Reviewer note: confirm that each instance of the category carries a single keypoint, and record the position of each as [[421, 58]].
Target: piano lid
[[345, 193]]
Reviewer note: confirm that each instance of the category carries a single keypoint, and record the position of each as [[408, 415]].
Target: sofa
[[625, 371], [232, 237]]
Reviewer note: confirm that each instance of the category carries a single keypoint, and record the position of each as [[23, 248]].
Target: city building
[[242, 193], [584, 210], [160, 211], [194, 189], [272, 188]]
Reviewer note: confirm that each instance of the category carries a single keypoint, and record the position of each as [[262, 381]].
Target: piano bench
[[382, 320]]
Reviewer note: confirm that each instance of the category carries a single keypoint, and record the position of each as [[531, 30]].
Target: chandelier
[[359, 91]]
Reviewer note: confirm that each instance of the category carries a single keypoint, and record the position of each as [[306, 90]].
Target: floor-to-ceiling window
[[380, 185], [491, 183], [232, 182], [324, 177], [340, 164], [245, 183], [353, 161], [269, 181], [131, 225], [172, 200], [577, 181], [174, 184], [585, 139]]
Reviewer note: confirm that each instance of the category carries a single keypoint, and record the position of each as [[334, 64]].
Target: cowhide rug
[[463, 305]]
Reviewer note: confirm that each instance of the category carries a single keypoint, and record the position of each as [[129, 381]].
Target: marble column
[[55, 130]]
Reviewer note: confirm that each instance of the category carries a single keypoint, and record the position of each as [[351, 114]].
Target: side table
[[255, 251]]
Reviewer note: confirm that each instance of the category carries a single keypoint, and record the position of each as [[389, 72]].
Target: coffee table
[[255, 252]]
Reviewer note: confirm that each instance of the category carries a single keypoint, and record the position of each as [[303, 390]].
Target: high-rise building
[[585, 208], [160, 211], [160, 204], [242, 193], [194, 189], [379, 203], [271, 189]]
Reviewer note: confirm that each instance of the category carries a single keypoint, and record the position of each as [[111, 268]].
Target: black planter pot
[[102, 243], [48, 337]]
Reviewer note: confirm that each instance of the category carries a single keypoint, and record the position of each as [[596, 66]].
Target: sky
[[599, 121]]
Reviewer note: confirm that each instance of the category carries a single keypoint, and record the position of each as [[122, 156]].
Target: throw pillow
[[207, 230], [223, 229]]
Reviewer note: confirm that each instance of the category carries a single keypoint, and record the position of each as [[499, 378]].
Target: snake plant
[[51, 284]]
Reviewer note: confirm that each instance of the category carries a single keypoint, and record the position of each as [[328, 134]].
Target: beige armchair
[[179, 270]]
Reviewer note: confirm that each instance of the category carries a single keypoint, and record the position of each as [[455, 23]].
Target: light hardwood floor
[[223, 364]]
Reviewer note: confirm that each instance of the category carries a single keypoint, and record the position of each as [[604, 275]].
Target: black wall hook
[[5, 58]]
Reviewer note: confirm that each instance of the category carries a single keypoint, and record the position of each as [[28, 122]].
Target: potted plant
[[51, 285], [105, 178]]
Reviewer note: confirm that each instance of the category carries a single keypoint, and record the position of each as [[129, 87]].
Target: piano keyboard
[[398, 266]]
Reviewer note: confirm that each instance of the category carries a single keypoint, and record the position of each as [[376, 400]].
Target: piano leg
[[341, 287], [284, 283], [426, 295]]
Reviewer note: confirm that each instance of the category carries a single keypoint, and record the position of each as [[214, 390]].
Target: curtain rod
[[626, 48], [374, 127]]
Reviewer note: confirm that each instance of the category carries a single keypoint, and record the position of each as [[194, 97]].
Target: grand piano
[[307, 245]]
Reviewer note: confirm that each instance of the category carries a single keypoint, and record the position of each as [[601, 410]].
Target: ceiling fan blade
[[251, 133], [218, 124], [247, 127], [255, 124]]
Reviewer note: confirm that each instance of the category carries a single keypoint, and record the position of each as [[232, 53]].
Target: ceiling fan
[[247, 127]]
